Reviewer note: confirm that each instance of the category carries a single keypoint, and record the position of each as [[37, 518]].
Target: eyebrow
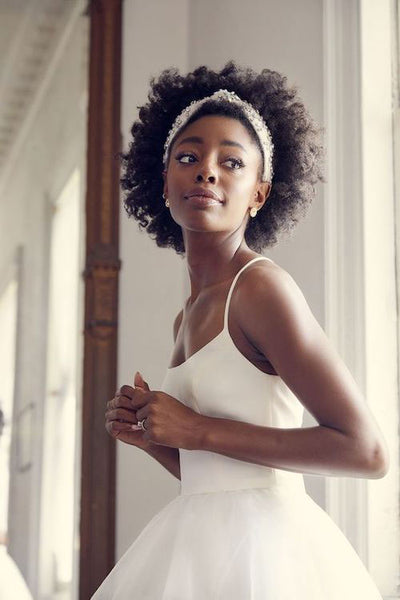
[[198, 140]]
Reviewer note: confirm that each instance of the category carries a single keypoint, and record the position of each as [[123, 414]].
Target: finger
[[114, 427], [140, 382], [128, 416], [142, 413], [119, 402], [140, 398], [126, 390]]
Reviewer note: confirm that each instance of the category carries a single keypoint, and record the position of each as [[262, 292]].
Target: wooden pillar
[[97, 525]]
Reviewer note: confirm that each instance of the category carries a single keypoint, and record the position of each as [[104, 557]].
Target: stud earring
[[253, 211], [166, 200]]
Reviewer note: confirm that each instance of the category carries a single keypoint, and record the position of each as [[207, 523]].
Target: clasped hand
[[168, 421]]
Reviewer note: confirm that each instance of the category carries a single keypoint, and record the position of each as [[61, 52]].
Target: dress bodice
[[219, 381]]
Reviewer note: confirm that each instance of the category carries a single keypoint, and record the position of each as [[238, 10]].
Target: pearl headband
[[256, 120]]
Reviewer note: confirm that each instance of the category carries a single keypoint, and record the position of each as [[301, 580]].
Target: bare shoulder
[[177, 323], [271, 308], [266, 280]]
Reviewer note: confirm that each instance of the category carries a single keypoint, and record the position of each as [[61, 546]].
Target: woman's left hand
[[168, 421]]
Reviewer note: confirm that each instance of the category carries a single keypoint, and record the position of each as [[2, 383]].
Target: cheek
[[178, 179], [241, 190]]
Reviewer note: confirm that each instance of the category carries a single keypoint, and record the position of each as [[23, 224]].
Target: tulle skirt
[[250, 544]]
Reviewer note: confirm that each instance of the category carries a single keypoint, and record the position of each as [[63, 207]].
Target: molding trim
[[43, 32], [346, 498], [97, 530]]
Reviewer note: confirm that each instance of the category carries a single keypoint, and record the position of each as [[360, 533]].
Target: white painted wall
[[284, 35], [151, 279]]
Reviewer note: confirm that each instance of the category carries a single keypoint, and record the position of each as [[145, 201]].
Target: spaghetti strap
[[228, 299]]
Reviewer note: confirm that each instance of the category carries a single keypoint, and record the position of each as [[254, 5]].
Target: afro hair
[[297, 158]]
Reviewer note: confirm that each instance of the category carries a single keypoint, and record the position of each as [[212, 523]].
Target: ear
[[261, 194]]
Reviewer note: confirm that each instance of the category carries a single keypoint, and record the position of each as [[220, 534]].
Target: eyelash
[[237, 161]]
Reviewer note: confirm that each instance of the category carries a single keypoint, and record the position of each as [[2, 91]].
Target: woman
[[220, 164]]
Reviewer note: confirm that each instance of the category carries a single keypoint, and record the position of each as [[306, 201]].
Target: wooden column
[[97, 526]]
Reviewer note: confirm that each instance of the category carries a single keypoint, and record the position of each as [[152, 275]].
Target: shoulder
[[272, 311], [265, 280]]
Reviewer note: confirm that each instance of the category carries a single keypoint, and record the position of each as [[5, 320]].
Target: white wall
[[151, 280], [285, 36]]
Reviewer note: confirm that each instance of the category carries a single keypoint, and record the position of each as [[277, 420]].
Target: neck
[[210, 266]]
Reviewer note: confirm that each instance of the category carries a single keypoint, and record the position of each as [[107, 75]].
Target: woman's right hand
[[120, 416]]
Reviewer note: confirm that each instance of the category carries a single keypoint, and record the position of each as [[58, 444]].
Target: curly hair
[[297, 159]]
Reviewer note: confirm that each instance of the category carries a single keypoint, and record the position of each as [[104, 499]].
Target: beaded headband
[[256, 120]]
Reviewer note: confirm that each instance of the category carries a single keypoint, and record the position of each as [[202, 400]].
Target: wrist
[[149, 447], [201, 431]]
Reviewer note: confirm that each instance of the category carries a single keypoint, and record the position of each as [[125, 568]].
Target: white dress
[[12, 584], [237, 530]]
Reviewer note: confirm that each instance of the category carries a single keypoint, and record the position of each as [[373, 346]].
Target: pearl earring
[[253, 211], [166, 200]]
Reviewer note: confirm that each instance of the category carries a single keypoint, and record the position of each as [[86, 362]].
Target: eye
[[236, 161], [184, 155]]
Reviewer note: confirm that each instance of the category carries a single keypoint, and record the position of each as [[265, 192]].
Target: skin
[[279, 335]]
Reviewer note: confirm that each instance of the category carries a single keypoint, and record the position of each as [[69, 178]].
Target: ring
[[141, 425]]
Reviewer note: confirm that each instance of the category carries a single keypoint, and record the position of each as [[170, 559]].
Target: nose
[[210, 177], [205, 173]]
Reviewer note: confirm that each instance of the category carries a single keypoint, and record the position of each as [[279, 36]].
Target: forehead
[[217, 128]]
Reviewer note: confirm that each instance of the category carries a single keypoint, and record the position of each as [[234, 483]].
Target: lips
[[199, 191]]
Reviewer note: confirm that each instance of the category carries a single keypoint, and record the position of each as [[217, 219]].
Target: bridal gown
[[237, 530]]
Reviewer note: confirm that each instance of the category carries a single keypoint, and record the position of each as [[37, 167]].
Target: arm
[[347, 440], [168, 457]]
